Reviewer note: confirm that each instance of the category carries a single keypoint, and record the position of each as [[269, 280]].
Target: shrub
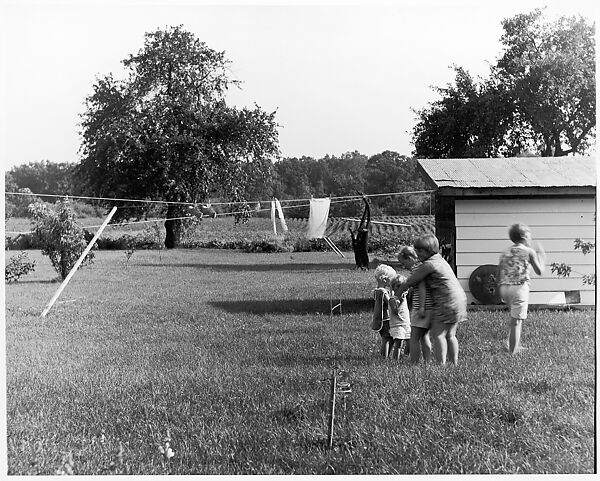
[[61, 238], [17, 267], [564, 270], [17, 205]]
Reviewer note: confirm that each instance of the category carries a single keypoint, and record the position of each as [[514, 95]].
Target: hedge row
[[384, 244]]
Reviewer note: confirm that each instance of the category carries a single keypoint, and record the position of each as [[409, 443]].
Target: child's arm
[[394, 304], [537, 259], [417, 276]]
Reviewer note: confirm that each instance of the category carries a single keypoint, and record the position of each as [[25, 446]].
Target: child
[[399, 319], [384, 275], [448, 299], [420, 314], [513, 273]]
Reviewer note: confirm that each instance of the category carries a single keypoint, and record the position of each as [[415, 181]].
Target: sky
[[341, 76]]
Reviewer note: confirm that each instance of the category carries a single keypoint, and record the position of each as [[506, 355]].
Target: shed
[[477, 200]]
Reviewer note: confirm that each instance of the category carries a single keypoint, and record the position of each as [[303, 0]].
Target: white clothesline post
[[78, 263]]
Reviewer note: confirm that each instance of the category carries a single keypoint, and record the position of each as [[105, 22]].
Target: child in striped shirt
[[420, 315]]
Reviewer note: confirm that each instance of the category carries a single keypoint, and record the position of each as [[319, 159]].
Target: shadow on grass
[[259, 267], [293, 306]]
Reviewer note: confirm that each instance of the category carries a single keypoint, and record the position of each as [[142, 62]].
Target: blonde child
[[420, 313], [448, 299], [399, 319], [384, 275], [513, 273]]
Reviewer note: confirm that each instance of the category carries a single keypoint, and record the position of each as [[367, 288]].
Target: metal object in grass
[[339, 388], [333, 247]]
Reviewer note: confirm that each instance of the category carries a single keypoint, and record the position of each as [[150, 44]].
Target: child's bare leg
[[396, 347], [385, 347], [415, 346], [452, 342], [514, 337], [425, 343], [438, 332]]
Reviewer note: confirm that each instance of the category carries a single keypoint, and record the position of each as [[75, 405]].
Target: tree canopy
[[165, 132], [539, 97]]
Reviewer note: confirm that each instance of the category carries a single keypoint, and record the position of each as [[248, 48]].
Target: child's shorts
[[517, 298]]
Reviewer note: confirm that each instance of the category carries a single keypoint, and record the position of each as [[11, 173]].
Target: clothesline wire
[[120, 224], [116, 199], [148, 221]]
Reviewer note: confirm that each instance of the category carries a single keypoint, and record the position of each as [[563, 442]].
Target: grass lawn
[[230, 355]]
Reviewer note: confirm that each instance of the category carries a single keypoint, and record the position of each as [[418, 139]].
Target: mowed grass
[[232, 354]]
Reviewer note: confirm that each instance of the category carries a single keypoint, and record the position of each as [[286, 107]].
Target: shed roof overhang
[[473, 192]]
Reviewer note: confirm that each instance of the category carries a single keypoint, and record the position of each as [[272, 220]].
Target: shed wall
[[482, 234]]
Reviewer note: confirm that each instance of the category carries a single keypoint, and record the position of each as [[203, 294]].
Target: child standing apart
[[448, 299], [399, 319], [384, 275], [420, 313], [513, 273]]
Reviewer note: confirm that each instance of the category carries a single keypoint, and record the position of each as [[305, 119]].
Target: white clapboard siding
[[498, 245], [587, 298], [535, 205], [539, 231], [464, 272], [540, 218], [545, 284], [479, 258], [482, 234]]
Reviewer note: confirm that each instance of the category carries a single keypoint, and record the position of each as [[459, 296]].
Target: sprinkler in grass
[[340, 387]]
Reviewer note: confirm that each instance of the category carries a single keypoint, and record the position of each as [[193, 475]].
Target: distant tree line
[[289, 178]]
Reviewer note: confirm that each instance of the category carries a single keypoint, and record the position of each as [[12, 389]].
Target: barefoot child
[[448, 299], [399, 319], [384, 275], [420, 313], [513, 273]]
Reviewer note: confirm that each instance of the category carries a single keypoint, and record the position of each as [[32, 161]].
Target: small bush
[[17, 267], [61, 238]]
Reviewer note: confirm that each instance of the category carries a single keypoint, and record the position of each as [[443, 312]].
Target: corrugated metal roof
[[512, 172]]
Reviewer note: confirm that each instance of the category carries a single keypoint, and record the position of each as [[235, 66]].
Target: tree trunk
[[173, 227]]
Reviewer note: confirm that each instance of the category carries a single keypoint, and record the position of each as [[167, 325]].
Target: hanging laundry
[[284, 226], [273, 217], [317, 218]]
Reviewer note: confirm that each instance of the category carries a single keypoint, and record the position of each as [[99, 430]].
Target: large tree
[[539, 97], [471, 119], [166, 133], [550, 70]]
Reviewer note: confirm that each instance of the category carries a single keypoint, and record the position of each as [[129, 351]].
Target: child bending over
[[384, 275], [448, 299], [420, 313], [399, 319], [513, 273]]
